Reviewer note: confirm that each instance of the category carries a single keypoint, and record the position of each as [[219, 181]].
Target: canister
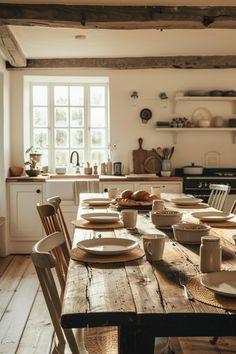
[[210, 254]]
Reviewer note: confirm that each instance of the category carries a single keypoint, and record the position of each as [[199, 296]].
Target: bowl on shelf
[[166, 218], [32, 173], [190, 233]]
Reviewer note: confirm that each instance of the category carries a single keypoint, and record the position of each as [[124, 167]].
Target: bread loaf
[[140, 195], [126, 194]]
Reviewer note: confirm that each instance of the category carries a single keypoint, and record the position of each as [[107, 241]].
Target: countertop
[[102, 178]]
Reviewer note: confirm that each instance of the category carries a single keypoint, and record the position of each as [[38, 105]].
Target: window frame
[[87, 83]]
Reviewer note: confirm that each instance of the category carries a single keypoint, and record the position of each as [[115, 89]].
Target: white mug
[[154, 245], [129, 218], [158, 205], [112, 193]]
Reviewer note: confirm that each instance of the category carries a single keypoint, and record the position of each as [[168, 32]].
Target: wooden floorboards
[[25, 326]]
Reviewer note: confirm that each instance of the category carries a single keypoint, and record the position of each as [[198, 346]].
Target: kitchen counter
[[138, 178], [102, 178]]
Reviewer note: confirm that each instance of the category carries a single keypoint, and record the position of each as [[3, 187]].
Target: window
[[69, 116]]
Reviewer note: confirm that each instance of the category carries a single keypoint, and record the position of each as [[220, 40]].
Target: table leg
[[133, 339]]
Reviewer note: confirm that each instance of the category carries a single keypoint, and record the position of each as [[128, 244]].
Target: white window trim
[[63, 80]]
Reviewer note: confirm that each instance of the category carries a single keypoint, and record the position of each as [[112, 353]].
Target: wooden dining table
[[144, 299]]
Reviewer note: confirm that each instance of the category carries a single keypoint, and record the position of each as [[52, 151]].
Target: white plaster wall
[[126, 126], [4, 150]]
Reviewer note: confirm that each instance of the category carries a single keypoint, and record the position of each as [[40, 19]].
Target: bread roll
[[140, 195], [126, 194]]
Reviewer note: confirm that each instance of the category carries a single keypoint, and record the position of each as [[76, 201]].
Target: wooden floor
[[25, 326]]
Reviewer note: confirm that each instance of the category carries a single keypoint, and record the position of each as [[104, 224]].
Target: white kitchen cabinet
[[121, 186], [25, 227], [163, 187]]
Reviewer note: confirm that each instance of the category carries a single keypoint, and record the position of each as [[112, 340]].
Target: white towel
[[85, 187]]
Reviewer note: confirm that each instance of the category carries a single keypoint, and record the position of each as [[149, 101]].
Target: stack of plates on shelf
[[197, 93]]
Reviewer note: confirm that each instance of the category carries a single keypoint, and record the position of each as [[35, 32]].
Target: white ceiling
[[44, 42]]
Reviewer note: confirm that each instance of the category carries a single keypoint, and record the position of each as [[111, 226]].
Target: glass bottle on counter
[[109, 167], [210, 254]]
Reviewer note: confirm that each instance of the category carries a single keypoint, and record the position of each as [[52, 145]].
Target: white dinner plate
[[223, 283], [97, 201], [186, 201], [107, 246], [213, 216], [101, 218], [200, 114]]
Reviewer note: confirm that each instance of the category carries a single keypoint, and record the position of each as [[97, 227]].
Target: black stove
[[198, 185]]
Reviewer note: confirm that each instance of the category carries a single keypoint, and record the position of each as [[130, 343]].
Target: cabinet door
[[25, 223], [121, 186], [165, 187]]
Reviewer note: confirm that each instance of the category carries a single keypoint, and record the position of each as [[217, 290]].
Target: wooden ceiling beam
[[118, 17], [10, 48], [177, 62]]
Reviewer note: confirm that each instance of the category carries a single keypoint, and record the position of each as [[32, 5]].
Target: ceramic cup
[[112, 193], [154, 245], [158, 205], [129, 218]]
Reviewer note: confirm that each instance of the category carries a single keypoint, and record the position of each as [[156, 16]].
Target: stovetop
[[209, 172]]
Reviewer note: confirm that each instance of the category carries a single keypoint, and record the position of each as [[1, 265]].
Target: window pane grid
[[71, 117]]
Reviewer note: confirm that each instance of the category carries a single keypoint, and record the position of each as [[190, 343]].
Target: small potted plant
[[34, 158]]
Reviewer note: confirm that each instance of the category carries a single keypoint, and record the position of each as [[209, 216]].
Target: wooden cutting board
[[139, 156]]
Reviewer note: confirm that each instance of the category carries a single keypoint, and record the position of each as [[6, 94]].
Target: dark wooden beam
[[117, 17], [177, 62], [10, 48]]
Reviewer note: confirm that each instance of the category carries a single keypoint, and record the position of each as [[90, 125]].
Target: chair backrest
[[43, 257], [218, 195], [233, 208], [52, 218]]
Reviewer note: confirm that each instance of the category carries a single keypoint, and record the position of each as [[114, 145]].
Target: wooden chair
[[233, 208], [218, 195], [45, 261], [52, 218]]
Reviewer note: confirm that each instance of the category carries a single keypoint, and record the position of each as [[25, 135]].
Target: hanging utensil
[[171, 151], [166, 152]]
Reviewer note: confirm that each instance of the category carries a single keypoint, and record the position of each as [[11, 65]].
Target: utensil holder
[[166, 165]]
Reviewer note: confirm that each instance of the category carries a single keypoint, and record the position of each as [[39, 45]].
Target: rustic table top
[[145, 300]]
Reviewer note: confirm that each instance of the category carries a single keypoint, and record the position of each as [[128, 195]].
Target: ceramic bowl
[[60, 170], [190, 233], [166, 218], [32, 173]]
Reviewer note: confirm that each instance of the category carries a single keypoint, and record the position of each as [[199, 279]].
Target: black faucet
[[77, 158]]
